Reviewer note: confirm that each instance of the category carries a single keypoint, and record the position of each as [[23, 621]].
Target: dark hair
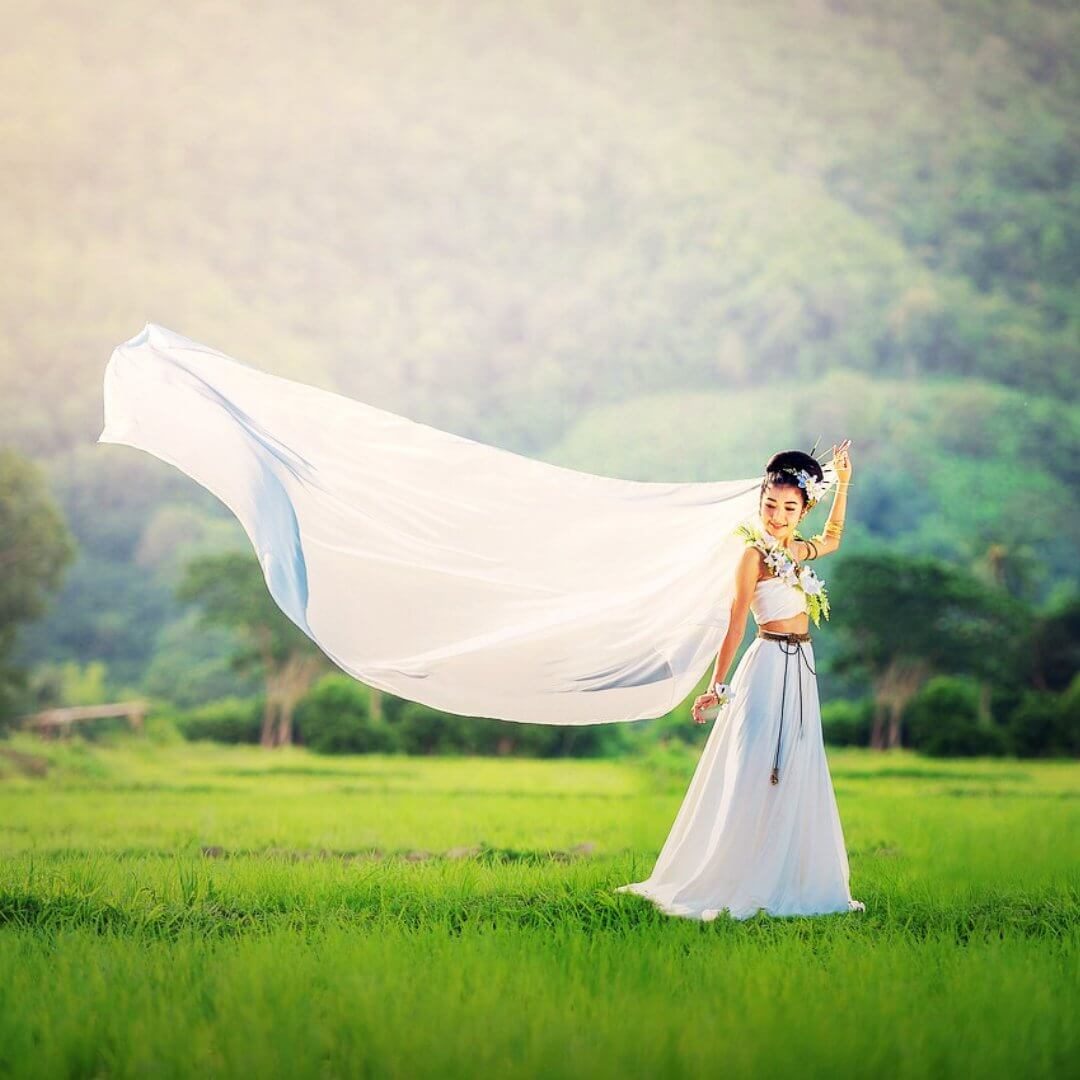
[[784, 467]]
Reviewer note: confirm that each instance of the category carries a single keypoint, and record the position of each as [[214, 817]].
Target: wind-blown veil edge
[[437, 568]]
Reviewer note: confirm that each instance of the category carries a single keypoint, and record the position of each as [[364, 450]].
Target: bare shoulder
[[751, 557], [746, 577], [751, 565]]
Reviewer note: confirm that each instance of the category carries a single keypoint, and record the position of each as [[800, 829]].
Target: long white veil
[[437, 568]]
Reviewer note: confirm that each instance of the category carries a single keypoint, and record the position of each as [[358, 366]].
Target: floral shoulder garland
[[783, 566]]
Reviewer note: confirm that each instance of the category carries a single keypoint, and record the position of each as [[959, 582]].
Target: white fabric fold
[[437, 568]]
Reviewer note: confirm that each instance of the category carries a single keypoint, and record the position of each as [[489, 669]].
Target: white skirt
[[739, 842]]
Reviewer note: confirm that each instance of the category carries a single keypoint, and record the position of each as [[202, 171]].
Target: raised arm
[[828, 540]]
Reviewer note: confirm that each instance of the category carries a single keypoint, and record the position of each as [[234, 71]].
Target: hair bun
[[792, 461]]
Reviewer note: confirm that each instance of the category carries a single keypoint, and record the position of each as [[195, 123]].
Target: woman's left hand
[[841, 460]]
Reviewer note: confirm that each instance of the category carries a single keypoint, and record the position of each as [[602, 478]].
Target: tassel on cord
[[774, 777], [785, 640]]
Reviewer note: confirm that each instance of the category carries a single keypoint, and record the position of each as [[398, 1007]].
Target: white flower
[[814, 488], [809, 582], [775, 561]]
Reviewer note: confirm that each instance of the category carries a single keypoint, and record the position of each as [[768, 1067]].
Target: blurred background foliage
[[653, 241]]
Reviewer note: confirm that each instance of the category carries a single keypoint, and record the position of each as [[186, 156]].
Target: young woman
[[759, 828]]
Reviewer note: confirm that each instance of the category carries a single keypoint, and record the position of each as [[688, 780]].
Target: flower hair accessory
[[815, 489]]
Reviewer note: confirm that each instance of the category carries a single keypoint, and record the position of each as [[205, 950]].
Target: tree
[[35, 547], [232, 592], [905, 618], [1055, 646]]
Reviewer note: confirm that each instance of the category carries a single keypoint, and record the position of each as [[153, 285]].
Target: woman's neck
[[784, 542]]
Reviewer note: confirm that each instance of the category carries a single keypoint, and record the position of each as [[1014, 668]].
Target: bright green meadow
[[192, 910]]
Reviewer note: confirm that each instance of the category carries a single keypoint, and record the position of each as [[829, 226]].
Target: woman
[[759, 827]]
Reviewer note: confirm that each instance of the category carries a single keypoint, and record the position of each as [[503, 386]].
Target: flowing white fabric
[[740, 843], [440, 569]]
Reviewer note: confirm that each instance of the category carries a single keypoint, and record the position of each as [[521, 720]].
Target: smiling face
[[782, 508]]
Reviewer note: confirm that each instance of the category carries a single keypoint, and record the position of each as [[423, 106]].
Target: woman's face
[[781, 509]]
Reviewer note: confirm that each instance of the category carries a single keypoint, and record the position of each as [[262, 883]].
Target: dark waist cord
[[795, 647]]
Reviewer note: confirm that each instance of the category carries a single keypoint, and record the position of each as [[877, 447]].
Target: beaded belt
[[791, 644]]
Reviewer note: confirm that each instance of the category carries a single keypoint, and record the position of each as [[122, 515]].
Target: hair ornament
[[815, 489]]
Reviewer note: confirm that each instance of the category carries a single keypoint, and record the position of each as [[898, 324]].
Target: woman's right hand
[[704, 701]]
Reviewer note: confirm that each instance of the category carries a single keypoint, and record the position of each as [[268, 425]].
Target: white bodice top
[[774, 599]]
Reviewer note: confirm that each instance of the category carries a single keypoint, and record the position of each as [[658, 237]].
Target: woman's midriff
[[799, 624]]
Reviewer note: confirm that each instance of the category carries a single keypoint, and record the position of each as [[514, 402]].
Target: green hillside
[[948, 467], [725, 228], [493, 221]]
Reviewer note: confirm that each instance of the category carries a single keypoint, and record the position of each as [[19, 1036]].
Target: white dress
[[740, 842]]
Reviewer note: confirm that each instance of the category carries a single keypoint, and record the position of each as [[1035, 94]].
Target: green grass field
[[186, 910]]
